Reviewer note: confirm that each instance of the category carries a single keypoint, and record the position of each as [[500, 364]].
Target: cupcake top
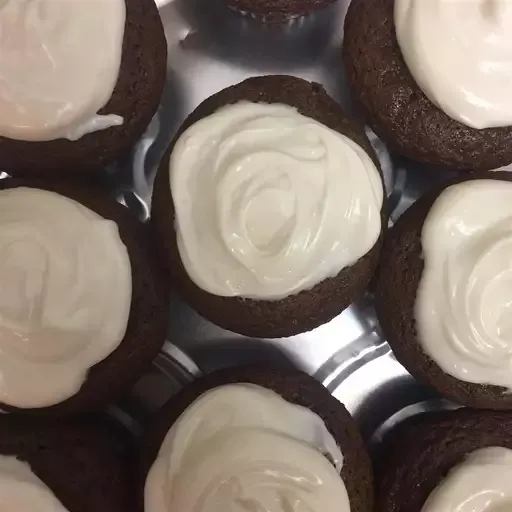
[[460, 55], [269, 202], [65, 296], [480, 482], [59, 65], [79, 465], [240, 447], [463, 312], [450, 461], [22, 490]]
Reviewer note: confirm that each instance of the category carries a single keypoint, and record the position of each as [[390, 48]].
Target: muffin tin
[[211, 48]]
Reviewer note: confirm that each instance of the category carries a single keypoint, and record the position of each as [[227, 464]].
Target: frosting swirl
[[59, 65], [463, 306], [241, 447], [460, 55], [22, 491], [65, 295], [278, 201], [481, 483]]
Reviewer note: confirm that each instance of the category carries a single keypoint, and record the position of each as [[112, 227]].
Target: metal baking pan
[[211, 48]]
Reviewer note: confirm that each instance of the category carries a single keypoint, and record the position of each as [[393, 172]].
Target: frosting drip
[[460, 55], [59, 65], [278, 201], [481, 483], [241, 448], [22, 491], [65, 295], [463, 306]]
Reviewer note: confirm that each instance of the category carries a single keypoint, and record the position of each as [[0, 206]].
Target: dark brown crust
[[149, 313], [83, 463], [135, 98], [420, 454], [396, 287], [295, 387], [277, 10], [397, 108], [308, 309]]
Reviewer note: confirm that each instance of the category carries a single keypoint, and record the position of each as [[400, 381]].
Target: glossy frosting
[[463, 307], [59, 65], [22, 491], [460, 54], [241, 447], [277, 201], [481, 483], [65, 295]]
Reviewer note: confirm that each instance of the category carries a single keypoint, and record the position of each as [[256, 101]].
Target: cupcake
[[270, 206], [80, 82], [277, 10], [443, 293], [458, 461], [78, 466], [433, 78], [83, 305], [254, 438]]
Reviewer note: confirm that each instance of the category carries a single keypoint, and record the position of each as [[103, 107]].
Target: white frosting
[[65, 295], [464, 306], [241, 447], [459, 52], [59, 65], [269, 202], [481, 483], [22, 491]]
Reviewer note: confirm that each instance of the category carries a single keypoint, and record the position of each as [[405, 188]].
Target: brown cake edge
[[397, 281], [300, 312], [418, 454], [295, 387], [149, 313]]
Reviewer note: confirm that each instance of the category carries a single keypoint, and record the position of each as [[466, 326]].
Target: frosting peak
[[278, 201], [460, 54], [241, 447]]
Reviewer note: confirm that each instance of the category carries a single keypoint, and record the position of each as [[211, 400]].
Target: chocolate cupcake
[[277, 10], [83, 304], [453, 111], [270, 206], [262, 429], [72, 466], [73, 104], [443, 290], [452, 461]]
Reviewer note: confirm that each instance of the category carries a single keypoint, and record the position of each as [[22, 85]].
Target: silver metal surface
[[170, 371], [211, 48]]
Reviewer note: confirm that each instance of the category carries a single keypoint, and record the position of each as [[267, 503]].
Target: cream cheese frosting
[[460, 55], [481, 483], [241, 447], [269, 202], [59, 65], [22, 491], [463, 307], [65, 295]]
